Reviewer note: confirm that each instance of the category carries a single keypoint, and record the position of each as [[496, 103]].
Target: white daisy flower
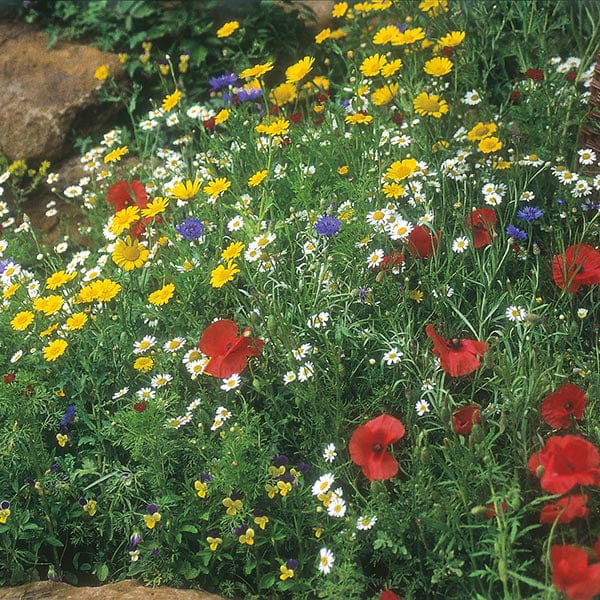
[[322, 485], [230, 383], [515, 314], [365, 523], [326, 560], [460, 244], [392, 356], [422, 407], [329, 454]]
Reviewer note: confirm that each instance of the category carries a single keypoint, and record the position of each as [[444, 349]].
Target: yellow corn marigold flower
[[222, 274], [48, 304], [228, 29], [187, 190], [323, 35], [300, 70], [339, 9], [500, 165], [116, 154], [62, 439], [452, 39], [129, 254], [101, 73], [143, 364], [434, 7], [49, 330], [54, 349], [11, 290], [215, 188], [359, 119], [278, 126], [283, 94], [76, 321], [430, 105], [416, 295], [372, 65], [385, 94], [171, 101], [123, 219], [162, 296], [490, 144], [105, 290], [343, 170], [438, 66], [386, 35], [401, 169], [391, 68], [155, 207], [232, 251], [410, 36], [22, 320], [393, 190], [222, 116], [257, 178], [256, 71], [59, 279], [481, 131]]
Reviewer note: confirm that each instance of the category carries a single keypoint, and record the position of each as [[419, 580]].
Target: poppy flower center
[[454, 344], [377, 448], [568, 406], [228, 346]]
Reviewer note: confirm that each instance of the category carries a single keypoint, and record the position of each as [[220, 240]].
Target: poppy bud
[[425, 455], [445, 415], [539, 471], [477, 433], [502, 569], [479, 511], [256, 384]]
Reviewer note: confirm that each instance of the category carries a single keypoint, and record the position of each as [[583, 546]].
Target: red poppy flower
[[228, 352], [457, 356], [9, 378], [393, 259], [464, 417], [558, 406], [578, 265], [481, 222], [389, 595], [491, 509], [572, 574], [567, 461], [422, 242], [565, 510], [515, 97], [296, 117], [535, 74], [140, 406], [127, 193], [368, 446], [209, 124]]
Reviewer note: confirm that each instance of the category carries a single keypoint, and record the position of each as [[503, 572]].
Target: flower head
[[558, 407], [190, 228], [481, 222], [578, 265], [228, 353], [572, 574], [368, 446], [464, 417], [328, 226], [457, 356]]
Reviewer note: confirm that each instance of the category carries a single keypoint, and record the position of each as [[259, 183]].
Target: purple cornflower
[[190, 229], [328, 225], [216, 83], [3, 264], [363, 294], [516, 233], [530, 213]]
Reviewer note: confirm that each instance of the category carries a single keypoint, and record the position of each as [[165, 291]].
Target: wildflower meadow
[[331, 331]]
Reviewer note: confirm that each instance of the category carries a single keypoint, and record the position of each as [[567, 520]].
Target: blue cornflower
[[69, 414], [3, 264], [516, 233], [328, 225], [190, 229], [530, 213], [216, 83]]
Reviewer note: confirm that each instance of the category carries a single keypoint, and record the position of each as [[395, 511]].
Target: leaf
[[102, 572], [54, 541], [189, 529], [266, 581]]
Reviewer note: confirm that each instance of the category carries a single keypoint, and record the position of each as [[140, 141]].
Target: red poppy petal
[[380, 466], [458, 364], [216, 336], [361, 445], [386, 429]]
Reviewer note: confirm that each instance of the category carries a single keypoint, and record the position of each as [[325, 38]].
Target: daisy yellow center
[[131, 253]]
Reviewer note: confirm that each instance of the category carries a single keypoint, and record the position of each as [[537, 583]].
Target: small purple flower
[[328, 226], [190, 229], [4, 505], [281, 460], [155, 552], [291, 563], [205, 477], [240, 530], [287, 477], [516, 233], [3, 264], [221, 81], [530, 213], [363, 294], [151, 509], [134, 540], [82, 501], [303, 467]]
